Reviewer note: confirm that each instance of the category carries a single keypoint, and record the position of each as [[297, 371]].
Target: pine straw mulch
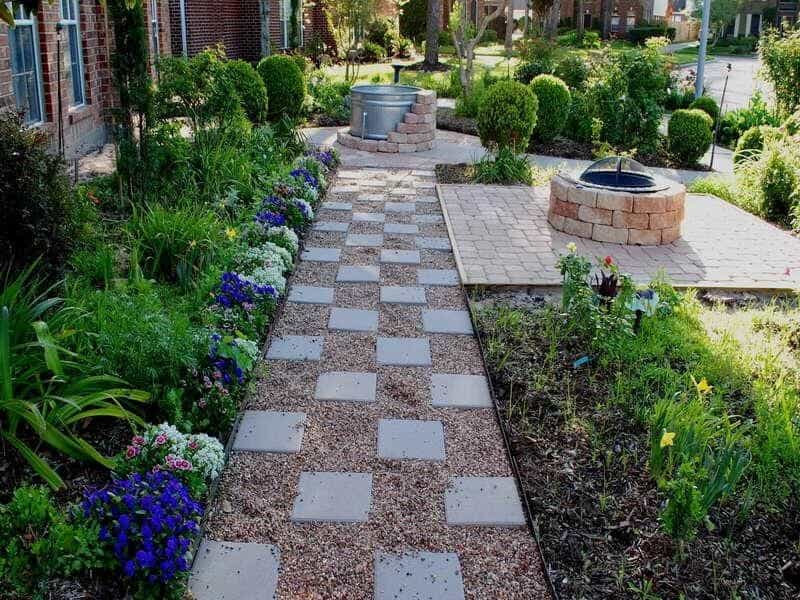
[[584, 470]]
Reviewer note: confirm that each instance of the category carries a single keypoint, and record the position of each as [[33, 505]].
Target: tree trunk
[[608, 6], [579, 20], [552, 18], [264, 10], [509, 28], [432, 38]]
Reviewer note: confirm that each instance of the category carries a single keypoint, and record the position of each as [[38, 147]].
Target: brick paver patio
[[501, 237]]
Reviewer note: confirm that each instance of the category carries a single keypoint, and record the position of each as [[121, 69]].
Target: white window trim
[[284, 15], [155, 25], [32, 21], [75, 4]]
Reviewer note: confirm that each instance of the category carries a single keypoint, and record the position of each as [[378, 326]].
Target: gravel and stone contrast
[[369, 463]]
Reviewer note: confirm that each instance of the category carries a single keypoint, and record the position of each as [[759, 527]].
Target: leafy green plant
[[505, 167], [780, 54], [285, 86], [579, 122], [751, 143], [553, 106], [46, 391], [371, 52], [735, 122], [708, 105], [684, 509], [689, 134], [779, 183], [250, 88], [572, 70], [507, 115]]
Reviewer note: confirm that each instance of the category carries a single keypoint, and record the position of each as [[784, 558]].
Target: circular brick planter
[[618, 217], [415, 134]]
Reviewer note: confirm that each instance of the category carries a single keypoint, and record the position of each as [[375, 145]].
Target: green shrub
[[780, 54], [489, 36], [329, 97], [505, 167], [721, 188], [553, 106], [708, 105], [97, 265], [507, 115], [285, 86], [41, 215], [572, 70], [382, 31], [638, 35], [402, 47], [372, 52], [734, 123], [469, 105], [250, 88], [527, 71], [751, 143], [678, 98], [579, 122], [413, 19], [301, 61], [778, 182], [689, 135]]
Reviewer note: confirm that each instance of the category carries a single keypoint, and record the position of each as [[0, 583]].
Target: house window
[[26, 79], [155, 44], [615, 24], [72, 59], [285, 15], [630, 20]]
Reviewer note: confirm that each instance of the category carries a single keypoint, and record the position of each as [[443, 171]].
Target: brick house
[[249, 29], [755, 15], [34, 79]]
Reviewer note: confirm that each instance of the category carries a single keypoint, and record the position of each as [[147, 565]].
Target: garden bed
[[580, 430]]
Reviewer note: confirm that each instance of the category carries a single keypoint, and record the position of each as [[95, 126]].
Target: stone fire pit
[[648, 213]]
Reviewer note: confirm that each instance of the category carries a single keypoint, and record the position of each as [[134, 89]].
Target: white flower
[[285, 234]]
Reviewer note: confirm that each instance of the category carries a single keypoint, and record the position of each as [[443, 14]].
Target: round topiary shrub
[[301, 62], [250, 87], [573, 71], [752, 142], [689, 134], [507, 115], [554, 102], [708, 105], [285, 86]]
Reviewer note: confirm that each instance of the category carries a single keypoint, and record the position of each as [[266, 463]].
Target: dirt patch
[[455, 173]]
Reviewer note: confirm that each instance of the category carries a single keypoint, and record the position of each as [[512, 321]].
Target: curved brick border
[[617, 217], [415, 134]]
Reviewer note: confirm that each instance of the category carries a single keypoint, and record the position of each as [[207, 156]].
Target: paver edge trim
[[451, 234]]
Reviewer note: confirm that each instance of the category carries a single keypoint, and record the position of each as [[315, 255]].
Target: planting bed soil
[[446, 118], [455, 173], [584, 469]]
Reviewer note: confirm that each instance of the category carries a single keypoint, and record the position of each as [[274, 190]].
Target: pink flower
[[193, 444], [247, 306], [217, 374], [182, 464], [161, 439], [608, 261], [132, 451], [206, 382], [156, 468], [201, 403], [137, 440]]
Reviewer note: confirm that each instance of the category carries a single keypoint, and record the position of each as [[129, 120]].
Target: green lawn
[[686, 56]]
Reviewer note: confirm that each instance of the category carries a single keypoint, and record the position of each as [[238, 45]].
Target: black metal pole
[[719, 116]]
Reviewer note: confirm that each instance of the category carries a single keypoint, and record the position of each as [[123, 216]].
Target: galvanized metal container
[[377, 109]]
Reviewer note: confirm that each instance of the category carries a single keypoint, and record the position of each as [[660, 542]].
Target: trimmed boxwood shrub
[[554, 103], [507, 115], [689, 134], [638, 35], [708, 105], [250, 87], [779, 185], [285, 86]]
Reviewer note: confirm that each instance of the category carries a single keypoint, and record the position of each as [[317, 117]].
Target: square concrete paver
[[490, 501], [401, 228], [400, 207], [343, 386], [368, 217], [309, 294], [337, 205], [321, 254], [353, 319], [438, 277], [234, 571], [447, 321], [418, 576], [395, 294], [400, 257], [428, 219], [410, 439], [433, 243], [358, 274], [370, 240], [460, 391], [268, 431], [334, 226], [404, 352], [296, 347], [338, 497]]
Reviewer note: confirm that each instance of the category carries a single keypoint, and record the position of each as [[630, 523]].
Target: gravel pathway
[[369, 463]]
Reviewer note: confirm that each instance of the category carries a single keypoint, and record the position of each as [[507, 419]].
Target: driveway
[[742, 83]]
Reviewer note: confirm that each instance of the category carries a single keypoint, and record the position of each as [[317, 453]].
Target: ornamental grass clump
[[146, 524]]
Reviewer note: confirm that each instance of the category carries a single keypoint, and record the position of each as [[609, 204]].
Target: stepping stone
[[321, 254], [428, 219], [268, 431], [427, 199], [368, 217], [296, 347], [460, 391], [418, 576], [353, 319], [489, 501], [438, 277], [344, 189], [401, 228], [400, 438], [404, 352], [342, 386], [373, 197], [400, 257], [335, 226], [358, 274], [447, 321], [400, 207], [394, 294], [433, 243], [234, 571], [337, 497], [337, 205], [372, 240], [309, 294]]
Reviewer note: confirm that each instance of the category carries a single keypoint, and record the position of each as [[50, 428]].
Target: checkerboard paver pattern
[[501, 237], [235, 571], [377, 319]]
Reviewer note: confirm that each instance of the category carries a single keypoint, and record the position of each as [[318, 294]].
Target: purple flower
[[269, 218], [305, 175]]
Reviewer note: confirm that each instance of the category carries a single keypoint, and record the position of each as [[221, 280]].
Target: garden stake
[[719, 118]]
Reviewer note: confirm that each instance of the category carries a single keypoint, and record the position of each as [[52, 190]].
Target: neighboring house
[[248, 29], [34, 78], [755, 15]]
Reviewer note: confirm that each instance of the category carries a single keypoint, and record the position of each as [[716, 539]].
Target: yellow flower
[[572, 247], [703, 386], [230, 232], [192, 244], [667, 439]]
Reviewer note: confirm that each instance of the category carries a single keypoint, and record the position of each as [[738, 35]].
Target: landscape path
[[369, 463]]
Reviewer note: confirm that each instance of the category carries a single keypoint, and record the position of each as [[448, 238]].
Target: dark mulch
[[447, 119], [455, 173], [421, 66], [584, 470], [323, 120]]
